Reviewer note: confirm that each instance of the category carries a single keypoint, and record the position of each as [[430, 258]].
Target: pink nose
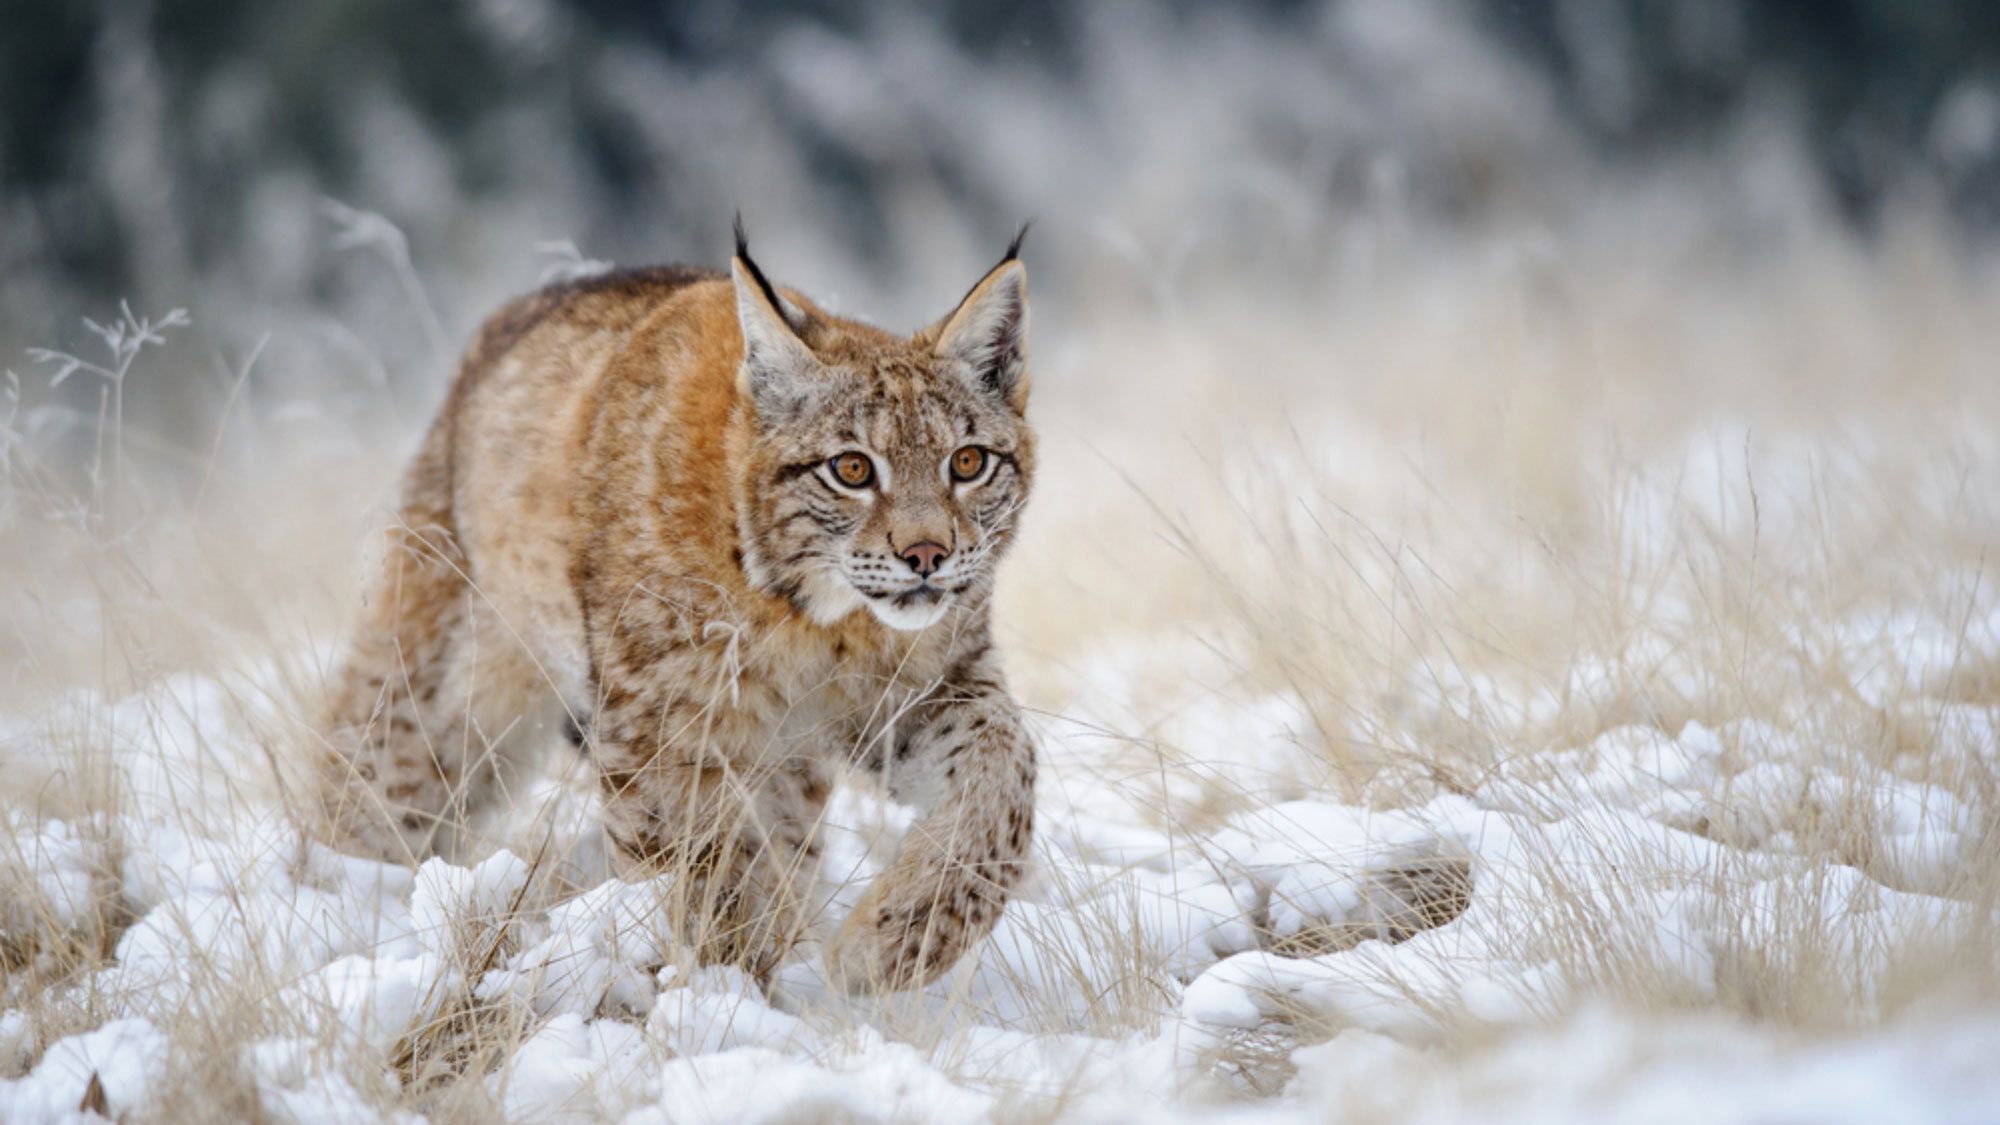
[[925, 558]]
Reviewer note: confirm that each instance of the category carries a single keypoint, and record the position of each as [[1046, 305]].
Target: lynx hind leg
[[737, 842], [387, 780], [427, 713]]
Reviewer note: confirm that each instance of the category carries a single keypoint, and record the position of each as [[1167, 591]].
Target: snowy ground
[[1529, 745], [1148, 970]]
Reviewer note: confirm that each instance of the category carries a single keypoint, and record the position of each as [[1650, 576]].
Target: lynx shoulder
[[733, 543]]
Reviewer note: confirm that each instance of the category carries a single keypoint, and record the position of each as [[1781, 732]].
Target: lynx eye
[[968, 463], [854, 470]]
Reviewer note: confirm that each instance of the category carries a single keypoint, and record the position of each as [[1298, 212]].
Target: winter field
[[1539, 663], [1570, 690]]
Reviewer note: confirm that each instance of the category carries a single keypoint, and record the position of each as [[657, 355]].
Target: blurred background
[[361, 179]]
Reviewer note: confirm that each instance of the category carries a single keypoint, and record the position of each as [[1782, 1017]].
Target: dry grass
[[1453, 534]]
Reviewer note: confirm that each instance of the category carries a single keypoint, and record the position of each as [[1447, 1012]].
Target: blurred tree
[[140, 140], [1868, 77]]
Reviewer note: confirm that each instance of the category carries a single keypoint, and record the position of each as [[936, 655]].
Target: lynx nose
[[925, 558]]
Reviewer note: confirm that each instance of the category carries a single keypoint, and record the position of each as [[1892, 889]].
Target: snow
[[60, 862], [451, 905], [126, 1056], [1616, 1069], [295, 1082], [884, 1081], [597, 952], [1271, 959], [376, 1000], [576, 1070]]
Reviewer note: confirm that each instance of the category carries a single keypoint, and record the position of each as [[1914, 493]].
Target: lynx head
[[882, 472]]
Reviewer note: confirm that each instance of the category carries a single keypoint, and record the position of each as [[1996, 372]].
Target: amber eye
[[968, 463], [854, 470]]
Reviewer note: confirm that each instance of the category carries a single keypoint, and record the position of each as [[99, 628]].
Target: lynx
[[737, 543]]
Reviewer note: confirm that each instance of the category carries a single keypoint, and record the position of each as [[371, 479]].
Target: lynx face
[[885, 474]]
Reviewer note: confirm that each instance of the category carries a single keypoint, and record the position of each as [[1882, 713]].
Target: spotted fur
[[626, 520]]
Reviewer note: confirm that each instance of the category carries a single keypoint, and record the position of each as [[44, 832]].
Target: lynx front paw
[[912, 926], [864, 959], [853, 959], [887, 946]]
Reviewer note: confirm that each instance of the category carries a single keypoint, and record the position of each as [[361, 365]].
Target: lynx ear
[[988, 330], [778, 367]]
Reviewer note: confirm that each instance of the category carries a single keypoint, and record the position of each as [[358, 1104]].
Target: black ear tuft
[[764, 285], [1013, 248], [987, 329]]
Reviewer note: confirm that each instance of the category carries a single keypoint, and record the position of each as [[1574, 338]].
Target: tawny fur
[[624, 514]]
